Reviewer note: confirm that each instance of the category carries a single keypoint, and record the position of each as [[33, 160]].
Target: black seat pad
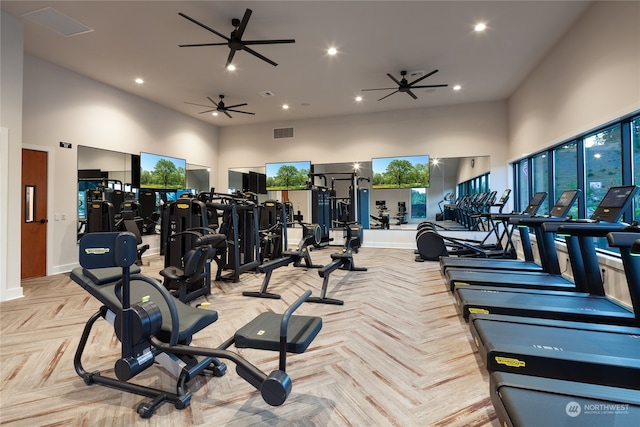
[[191, 320], [263, 332]]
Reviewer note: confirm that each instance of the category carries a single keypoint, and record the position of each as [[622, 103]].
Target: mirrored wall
[[398, 208]]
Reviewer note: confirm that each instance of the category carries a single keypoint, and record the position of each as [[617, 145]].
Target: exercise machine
[[518, 400], [342, 260], [155, 328], [507, 293], [524, 223], [311, 235]]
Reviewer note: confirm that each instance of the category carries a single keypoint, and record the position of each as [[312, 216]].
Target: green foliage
[[288, 178], [401, 173], [164, 175]]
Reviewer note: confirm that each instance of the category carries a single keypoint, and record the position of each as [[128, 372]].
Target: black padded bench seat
[[263, 332], [101, 283]]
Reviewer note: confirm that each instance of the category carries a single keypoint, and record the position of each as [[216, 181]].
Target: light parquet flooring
[[395, 354]]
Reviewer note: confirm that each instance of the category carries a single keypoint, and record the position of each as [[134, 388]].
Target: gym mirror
[[406, 208]]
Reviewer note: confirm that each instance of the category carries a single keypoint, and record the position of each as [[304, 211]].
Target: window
[[522, 185], [565, 172], [540, 165], [592, 163], [603, 161], [635, 144]]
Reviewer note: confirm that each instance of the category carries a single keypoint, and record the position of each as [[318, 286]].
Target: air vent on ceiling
[[266, 93], [281, 133], [57, 21]]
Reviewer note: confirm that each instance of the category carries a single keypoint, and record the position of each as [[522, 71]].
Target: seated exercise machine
[[311, 236], [153, 326], [192, 277], [341, 260]]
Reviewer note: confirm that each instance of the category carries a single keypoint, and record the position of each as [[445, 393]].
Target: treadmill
[[521, 400], [559, 211], [583, 352], [591, 306]]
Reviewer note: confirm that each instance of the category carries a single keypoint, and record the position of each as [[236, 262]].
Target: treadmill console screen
[[613, 203], [564, 203], [535, 202]]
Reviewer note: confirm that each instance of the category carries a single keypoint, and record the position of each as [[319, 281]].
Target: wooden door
[[34, 214]]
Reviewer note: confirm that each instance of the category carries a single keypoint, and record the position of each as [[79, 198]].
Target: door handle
[[44, 221]]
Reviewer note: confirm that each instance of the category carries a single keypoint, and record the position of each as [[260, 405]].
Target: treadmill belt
[[599, 357], [551, 306], [532, 401]]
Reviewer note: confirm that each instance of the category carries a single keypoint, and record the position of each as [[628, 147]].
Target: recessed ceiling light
[[285, 107], [231, 67], [358, 98], [139, 81], [215, 113], [457, 87], [480, 27], [332, 51]]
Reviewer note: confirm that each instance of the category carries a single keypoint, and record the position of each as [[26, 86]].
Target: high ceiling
[[132, 39]]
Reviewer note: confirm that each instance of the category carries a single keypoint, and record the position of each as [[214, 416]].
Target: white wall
[[11, 153], [590, 77], [452, 131], [60, 105]]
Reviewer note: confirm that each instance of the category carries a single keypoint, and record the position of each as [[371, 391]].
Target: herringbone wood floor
[[395, 353]]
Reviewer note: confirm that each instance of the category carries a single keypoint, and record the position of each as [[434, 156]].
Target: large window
[[603, 161], [565, 171], [635, 143], [522, 185], [541, 180], [592, 162]]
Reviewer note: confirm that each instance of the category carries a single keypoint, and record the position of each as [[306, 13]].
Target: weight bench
[[311, 235], [341, 260], [157, 328]]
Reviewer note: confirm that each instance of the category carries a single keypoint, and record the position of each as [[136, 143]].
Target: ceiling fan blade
[[419, 87], [199, 105], [394, 79], [243, 24], [238, 111], [423, 77], [202, 44], [252, 42], [228, 115], [256, 54], [235, 106], [411, 94], [380, 88], [230, 57], [212, 101], [208, 111], [204, 26], [388, 95]]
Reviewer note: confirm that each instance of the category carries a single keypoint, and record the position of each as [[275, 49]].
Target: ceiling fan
[[219, 106], [234, 41], [404, 86]]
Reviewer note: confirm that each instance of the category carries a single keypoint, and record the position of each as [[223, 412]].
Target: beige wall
[[453, 131], [11, 152], [590, 77], [60, 105]]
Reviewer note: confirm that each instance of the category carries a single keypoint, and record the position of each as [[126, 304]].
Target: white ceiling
[[140, 39]]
